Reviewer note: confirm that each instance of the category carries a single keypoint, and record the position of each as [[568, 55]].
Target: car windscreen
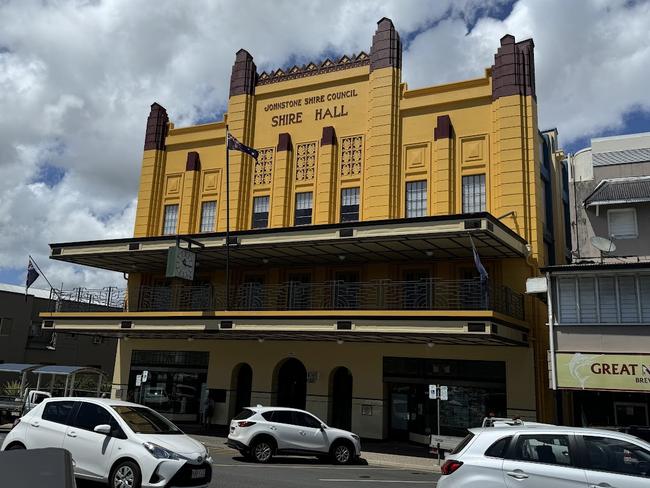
[[143, 420]]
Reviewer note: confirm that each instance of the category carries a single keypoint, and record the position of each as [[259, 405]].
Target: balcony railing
[[429, 294]]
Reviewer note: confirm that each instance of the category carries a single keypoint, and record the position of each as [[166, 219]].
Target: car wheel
[[262, 451], [342, 453], [125, 475], [15, 447]]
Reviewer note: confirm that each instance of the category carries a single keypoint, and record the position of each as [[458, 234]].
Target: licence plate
[[198, 473]]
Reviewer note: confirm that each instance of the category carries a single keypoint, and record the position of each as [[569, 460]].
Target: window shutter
[[587, 294], [628, 299], [607, 300], [644, 288], [568, 309], [622, 223]]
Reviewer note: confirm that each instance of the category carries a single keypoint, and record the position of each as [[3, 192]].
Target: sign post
[[438, 393]]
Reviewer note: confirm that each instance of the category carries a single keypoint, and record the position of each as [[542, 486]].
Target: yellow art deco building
[[351, 284]]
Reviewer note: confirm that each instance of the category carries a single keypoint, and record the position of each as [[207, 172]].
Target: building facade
[[23, 340], [347, 284], [600, 319]]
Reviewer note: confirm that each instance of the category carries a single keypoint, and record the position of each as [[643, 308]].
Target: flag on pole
[[235, 145], [32, 275], [477, 262]]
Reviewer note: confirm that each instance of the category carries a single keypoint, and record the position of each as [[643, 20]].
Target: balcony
[[429, 294]]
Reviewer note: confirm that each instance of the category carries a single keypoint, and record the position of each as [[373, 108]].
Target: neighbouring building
[[600, 314], [23, 340], [348, 283]]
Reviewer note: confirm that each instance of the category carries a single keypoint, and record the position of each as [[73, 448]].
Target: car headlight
[[160, 452]]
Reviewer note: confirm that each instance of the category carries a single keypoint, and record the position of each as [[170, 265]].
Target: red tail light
[[245, 423], [450, 466]]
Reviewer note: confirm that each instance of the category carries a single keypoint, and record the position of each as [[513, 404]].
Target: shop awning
[[66, 370], [440, 237], [17, 368], [618, 191]]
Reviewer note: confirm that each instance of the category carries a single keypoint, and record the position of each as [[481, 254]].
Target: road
[[232, 471]]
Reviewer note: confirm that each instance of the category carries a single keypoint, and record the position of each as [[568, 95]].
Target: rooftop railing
[[426, 294]]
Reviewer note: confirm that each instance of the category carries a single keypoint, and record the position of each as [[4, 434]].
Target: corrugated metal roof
[[620, 190], [621, 157]]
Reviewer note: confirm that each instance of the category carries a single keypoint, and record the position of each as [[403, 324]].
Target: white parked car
[[545, 456], [262, 432], [124, 444]]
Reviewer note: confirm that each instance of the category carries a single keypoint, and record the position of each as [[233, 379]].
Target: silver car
[[540, 456]]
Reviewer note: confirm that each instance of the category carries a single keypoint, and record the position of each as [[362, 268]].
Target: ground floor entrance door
[[292, 384]]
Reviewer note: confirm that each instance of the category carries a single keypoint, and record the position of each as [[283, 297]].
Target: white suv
[[261, 432], [125, 444], [547, 456]]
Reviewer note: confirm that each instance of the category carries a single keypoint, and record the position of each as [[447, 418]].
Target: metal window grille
[[416, 199], [473, 193], [208, 216], [260, 212], [171, 219], [349, 204], [303, 208]]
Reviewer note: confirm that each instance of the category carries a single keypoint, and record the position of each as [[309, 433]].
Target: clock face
[[180, 263]]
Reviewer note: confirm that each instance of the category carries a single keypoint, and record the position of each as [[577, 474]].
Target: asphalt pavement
[[230, 470]]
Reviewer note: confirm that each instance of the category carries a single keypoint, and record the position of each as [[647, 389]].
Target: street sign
[[138, 380], [445, 442], [145, 376], [443, 393], [433, 392]]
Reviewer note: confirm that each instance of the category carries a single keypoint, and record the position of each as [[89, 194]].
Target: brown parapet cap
[[284, 142], [193, 161], [513, 71], [244, 74], [157, 127], [386, 50], [329, 136], [443, 129]]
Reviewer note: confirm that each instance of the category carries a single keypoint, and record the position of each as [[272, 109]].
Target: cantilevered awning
[[617, 191], [446, 237], [66, 370], [18, 368]]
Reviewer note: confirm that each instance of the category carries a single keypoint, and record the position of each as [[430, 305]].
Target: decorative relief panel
[[264, 167], [305, 161], [416, 157], [173, 186], [351, 155], [211, 181], [473, 151]]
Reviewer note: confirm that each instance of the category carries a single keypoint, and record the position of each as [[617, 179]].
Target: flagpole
[[227, 218]]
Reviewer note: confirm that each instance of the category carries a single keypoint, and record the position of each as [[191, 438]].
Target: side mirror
[[103, 429]]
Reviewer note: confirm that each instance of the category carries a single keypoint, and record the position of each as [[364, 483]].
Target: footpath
[[389, 454]]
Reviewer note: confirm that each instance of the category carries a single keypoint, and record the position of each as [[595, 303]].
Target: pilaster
[[281, 191], [442, 194], [381, 189], [190, 206], [152, 174], [325, 197]]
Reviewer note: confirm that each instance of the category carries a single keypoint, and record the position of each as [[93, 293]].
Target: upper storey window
[[416, 198], [208, 216], [622, 223], [260, 212], [304, 207], [171, 220], [350, 204], [474, 193]]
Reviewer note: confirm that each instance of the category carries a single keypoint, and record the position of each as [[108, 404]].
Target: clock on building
[[180, 263]]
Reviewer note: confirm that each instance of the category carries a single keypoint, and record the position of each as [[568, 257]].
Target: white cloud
[[77, 79]]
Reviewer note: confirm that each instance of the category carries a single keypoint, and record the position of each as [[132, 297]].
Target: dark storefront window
[[476, 389], [175, 385]]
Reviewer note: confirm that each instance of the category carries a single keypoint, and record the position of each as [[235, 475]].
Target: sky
[[77, 79]]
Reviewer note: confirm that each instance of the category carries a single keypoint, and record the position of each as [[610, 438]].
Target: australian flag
[[235, 145], [32, 275]]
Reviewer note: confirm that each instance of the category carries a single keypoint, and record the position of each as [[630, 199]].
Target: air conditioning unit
[[97, 339]]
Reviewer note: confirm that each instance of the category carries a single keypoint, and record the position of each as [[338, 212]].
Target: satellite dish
[[603, 244]]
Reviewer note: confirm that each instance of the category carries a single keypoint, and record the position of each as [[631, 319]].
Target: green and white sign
[[584, 371]]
